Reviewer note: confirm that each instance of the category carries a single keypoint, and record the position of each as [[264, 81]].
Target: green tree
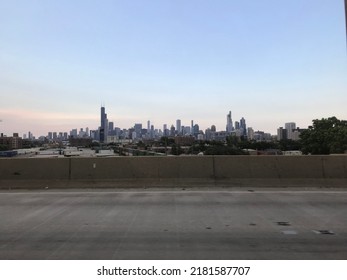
[[166, 141], [3, 148], [176, 150], [325, 136], [223, 150], [289, 145], [233, 141]]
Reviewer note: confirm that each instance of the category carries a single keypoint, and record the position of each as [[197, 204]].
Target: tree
[[166, 141], [223, 150], [4, 148], [233, 141], [176, 150], [325, 136], [289, 145]]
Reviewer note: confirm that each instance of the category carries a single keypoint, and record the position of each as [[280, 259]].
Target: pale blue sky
[[269, 61]]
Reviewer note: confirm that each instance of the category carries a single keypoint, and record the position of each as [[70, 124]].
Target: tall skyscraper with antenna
[[103, 126], [229, 127]]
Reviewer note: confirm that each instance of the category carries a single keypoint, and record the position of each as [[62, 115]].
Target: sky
[[269, 61]]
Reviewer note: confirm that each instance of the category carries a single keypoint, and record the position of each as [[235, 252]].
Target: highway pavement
[[195, 224]]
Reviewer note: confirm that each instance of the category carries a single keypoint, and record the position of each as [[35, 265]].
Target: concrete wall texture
[[250, 171]]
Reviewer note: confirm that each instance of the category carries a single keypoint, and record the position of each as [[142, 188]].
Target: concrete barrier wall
[[141, 167], [280, 167], [35, 169], [174, 171]]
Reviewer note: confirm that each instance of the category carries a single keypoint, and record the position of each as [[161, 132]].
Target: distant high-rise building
[[172, 130], [110, 127], [165, 130], [196, 130], [243, 127], [81, 133], [237, 125], [250, 133], [208, 134], [178, 127], [296, 134], [213, 128], [281, 134], [186, 130], [73, 133], [138, 130], [150, 133], [148, 126], [93, 134], [290, 127], [103, 126], [192, 127], [200, 137], [229, 127]]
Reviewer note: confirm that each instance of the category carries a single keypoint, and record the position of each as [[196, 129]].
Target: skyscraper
[[138, 130], [290, 127], [229, 127], [165, 130], [172, 130], [281, 134], [196, 130], [178, 127], [243, 126], [110, 126], [237, 125], [103, 126]]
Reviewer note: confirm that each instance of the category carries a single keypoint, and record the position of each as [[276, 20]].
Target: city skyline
[[272, 62], [93, 123], [101, 132]]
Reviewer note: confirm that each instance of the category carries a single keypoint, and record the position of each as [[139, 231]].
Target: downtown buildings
[[289, 132], [108, 132]]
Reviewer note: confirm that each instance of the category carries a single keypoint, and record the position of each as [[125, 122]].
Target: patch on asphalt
[[290, 232], [324, 231], [285, 224]]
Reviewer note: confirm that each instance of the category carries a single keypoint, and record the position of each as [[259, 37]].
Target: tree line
[[325, 136]]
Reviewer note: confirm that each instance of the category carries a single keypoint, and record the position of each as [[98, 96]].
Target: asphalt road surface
[[174, 224]]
